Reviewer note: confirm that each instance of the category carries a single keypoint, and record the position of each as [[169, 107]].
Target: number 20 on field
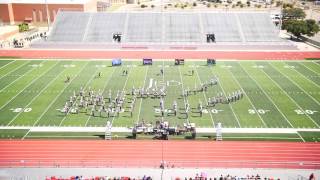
[[306, 111]]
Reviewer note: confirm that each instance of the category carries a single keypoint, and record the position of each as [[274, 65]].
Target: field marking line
[[304, 76], [85, 86], [124, 86], [25, 134], [264, 123], [104, 88], [205, 97], [7, 64], [23, 89], [162, 77], [229, 103], [308, 67], [267, 95], [315, 62], [8, 85], [26, 62], [184, 98], [290, 97], [150, 82], [300, 136], [34, 98], [57, 96], [295, 83]]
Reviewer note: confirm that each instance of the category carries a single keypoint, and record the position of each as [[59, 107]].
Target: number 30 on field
[[17, 110], [306, 111]]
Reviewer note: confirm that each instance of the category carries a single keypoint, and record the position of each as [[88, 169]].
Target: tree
[[208, 5], [301, 27], [248, 3], [152, 6], [194, 4], [293, 13], [295, 27], [23, 27], [312, 27]]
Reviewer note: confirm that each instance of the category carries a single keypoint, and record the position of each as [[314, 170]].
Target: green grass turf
[[13, 133], [277, 94], [310, 136]]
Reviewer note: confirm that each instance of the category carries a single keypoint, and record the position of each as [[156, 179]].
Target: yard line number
[[17, 110], [258, 111], [306, 111]]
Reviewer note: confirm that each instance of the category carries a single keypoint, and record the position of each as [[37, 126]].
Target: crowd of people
[[99, 178], [203, 176]]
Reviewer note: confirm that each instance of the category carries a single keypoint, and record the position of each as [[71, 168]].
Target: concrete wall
[[16, 13]]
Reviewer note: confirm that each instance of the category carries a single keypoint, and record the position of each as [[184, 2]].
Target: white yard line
[[26, 134], [24, 89], [295, 84], [85, 86], [24, 74], [314, 62], [300, 136], [290, 97], [34, 98], [229, 103], [54, 100], [104, 88], [14, 69], [145, 78], [122, 91], [306, 78], [308, 68], [162, 79], [205, 97], [267, 96], [7, 64], [184, 98], [264, 123]]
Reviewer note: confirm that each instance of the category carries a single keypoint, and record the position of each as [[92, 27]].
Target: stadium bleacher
[[252, 29]]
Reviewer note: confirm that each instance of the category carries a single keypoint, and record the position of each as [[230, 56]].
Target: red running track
[[137, 153], [187, 54]]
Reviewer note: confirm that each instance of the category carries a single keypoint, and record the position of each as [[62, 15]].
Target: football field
[[276, 94]]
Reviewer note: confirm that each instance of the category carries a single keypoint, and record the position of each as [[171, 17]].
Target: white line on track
[[267, 95], [55, 99], [264, 123], [14, 69], [205, 97], [295, 84], [34, 98], [85, 86], [290, 98], [104, 88], [145, 78]]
